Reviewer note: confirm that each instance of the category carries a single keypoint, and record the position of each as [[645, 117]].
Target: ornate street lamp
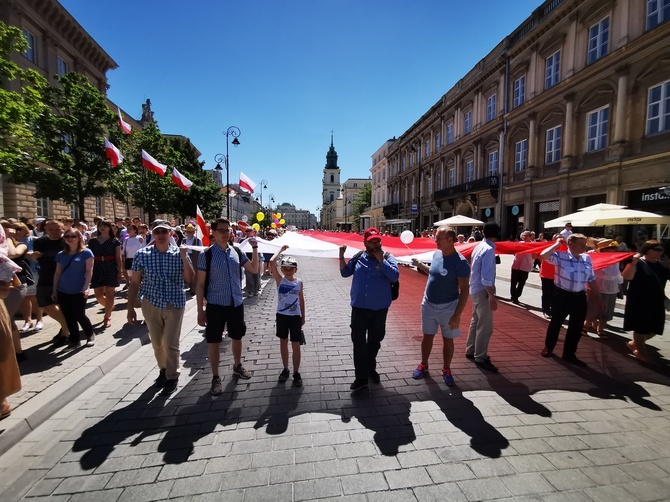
[[233, 132]]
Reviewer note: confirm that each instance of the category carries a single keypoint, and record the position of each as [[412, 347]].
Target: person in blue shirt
[[443, 302], [373, 272], [74, 270], [484, 302]]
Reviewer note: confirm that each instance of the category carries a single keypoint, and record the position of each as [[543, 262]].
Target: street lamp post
[[264, 184], [233, 131]]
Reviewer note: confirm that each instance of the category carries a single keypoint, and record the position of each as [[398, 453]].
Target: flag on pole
[[180, 180], [246, 184], [148, 162], [202, 233], [124, 125], [113, 153]]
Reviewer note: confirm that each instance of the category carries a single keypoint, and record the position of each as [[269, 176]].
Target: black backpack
[[395, 286], [208, 264]]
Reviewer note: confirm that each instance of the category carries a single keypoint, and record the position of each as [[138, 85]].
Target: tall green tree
[[20, 107], [204, 192], [71, 129], [363, 200]]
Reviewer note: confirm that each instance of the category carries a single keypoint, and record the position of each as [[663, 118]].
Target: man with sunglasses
[[219, 298], [159, 273]]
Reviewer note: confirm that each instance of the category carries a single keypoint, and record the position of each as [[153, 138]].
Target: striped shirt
[[572, 274], [162, 276], [225, 285]]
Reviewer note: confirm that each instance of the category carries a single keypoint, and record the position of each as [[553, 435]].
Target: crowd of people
[[52, 267]]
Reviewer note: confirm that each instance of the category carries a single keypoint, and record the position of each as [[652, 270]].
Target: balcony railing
[[488, 182]]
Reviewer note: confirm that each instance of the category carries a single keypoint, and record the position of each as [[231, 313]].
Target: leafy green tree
[[71, 129], [20, 107], [363, 200], [204, 192]]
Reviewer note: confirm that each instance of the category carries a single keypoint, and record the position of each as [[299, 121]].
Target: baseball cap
[[160, 224], [371, 234], [289, 262]]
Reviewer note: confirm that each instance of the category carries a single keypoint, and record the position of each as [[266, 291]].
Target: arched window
[[332, 178]]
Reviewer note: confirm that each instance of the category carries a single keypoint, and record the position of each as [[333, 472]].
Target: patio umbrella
[[458, 221], [602, 216]]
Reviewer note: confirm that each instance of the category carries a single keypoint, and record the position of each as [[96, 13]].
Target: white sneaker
[[38, 326], [90, 341], [26, 327]]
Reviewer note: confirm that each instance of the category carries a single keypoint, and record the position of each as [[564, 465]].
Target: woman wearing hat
[[645, 311]]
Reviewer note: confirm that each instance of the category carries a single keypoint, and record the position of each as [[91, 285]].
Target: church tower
[[331, 175]]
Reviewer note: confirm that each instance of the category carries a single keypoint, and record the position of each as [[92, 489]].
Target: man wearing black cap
[[484, 303], [373, 273]]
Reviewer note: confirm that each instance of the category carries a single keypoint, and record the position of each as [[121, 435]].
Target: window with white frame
[[520, 156], [519, 91], [658, 108], [402, 164], [491, 108], [552, 70], [658, 11], [63, 66], [427, 149], [493, 163], [438, 141], [467, 122], [598, 39], [74, 211], [452, 176], [42, 207], [596, 130], [469, 170], [553, 145], [31, 51], [99, 206], [450, 133], [439, 179]]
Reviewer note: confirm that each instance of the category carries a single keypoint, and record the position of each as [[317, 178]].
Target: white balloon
[[406, 237], [245, 218]]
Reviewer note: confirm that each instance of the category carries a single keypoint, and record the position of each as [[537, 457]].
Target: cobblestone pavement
[[538, 430]]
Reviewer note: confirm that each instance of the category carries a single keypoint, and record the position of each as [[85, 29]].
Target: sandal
[[108, 323]]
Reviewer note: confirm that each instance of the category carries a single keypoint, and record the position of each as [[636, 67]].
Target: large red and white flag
[[123, 124], [148, 162], [180, 180], [113, 153], [202, 233], [246, 184]]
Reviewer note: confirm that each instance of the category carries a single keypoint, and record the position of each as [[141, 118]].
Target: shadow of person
[[283, 404], [384, 412], [464, 415], [516, 394]]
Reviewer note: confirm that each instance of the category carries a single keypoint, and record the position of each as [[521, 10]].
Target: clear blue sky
[[287, 72]]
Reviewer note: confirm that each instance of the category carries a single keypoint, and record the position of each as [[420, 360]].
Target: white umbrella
[[458, 220], [605, 216]]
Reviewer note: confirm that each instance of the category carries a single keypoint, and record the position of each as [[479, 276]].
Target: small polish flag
[[246, 184], [113, 153], [202, 233], [148, 162], [180, 180], [124, 125]]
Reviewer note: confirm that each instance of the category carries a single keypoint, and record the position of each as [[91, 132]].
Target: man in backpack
[[219, 297], [373, 272]]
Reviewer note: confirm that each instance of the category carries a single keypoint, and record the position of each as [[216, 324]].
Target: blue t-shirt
[[72, 279], [442, 286]]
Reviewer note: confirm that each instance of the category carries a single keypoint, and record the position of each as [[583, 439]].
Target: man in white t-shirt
[[567, 231]]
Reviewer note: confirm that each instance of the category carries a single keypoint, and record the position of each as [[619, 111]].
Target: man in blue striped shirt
[[159, 272], [223, 304]]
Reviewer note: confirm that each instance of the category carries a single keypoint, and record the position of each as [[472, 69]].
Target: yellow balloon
[[256, 227], [260, 216], [278, 215], [273, 225], [281, 222]]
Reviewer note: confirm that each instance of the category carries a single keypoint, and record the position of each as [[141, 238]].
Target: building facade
[[571, 109], [379, 173], [301, 219]]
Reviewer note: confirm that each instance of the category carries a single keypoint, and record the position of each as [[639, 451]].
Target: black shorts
[[43, 294], [289, 325], [128, 264], [218, 317]]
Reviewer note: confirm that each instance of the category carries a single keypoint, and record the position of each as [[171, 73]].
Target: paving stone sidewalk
[[538, 430]]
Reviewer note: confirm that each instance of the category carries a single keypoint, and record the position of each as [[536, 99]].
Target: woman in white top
[[131, 244]]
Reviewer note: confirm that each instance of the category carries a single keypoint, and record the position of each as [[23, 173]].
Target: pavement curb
[[50, 401]]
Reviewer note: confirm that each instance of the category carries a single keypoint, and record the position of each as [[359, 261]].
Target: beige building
[[571, 109], [299, 218], [58, 44], [379, 173]]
